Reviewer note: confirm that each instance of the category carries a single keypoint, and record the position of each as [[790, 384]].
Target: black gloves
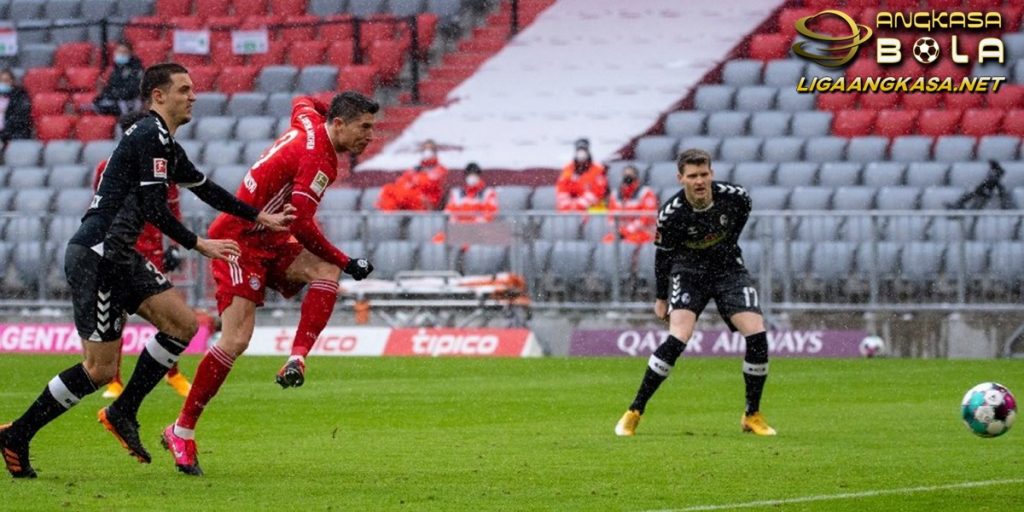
[[358, 268], [172, 258]]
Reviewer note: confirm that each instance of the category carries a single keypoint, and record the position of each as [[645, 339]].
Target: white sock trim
[[184, 433], [160, 354], [660, 367], [60, 391], [759, 370]]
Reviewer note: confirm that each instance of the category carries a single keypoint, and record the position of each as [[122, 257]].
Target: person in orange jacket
[[632, 196], [583, 184], [473, 202], [419, 188]]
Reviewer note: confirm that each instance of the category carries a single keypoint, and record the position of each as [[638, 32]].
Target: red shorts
[[254, 272]]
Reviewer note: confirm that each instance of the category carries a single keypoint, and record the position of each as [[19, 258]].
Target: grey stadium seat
[[393, 256], [230, 176], [723, 172], [825, 149], [185, 132], [67, 34], [279, 104], [1013, 178], [73, 201], [59, 152], [994, 229], [926, 174], [6, 195], [27, 177], [96, 151], [727, 124], [784, 73], [954, 148], [325, 7], [56, 9], [365, 8], [832, 262], [789, 100], [975, 261], [368, 199], [794, 174], [883, 174], [885, 260], [384, 227], [446, 10], [992, 69], [769, 198], [193, 148], [314, 79], [407, 8], [98, 9], [839, 174], [560, 227], [30, 261], [70, 176], [753, 174], [135, 8], [753, 253], [741, 72], [423, 228], [276, 79], [714, 97], [685, 123], [340, 228], [867, 149], [605, 265], [998, 147], [897, 198], [811, 124], [810, 198], [215, 128], [709, 144], [1007, 261], [861, 229], [513, 198], [596, 228], [853, 198], [944, 229], [741, 149], [254, 149], [756, 98], [32, 200], [935, 198], [905, 229], [209, 104], [664, 175], [24, 229], [255, 128], [967, 175], [569, 259], [191, 205], [818, 228], [247, 104], [783, 149], [921, 261], [543, 198], [62, 228], [799, 259], [911, 148], [283, 125], [770, 124], [484, 259], [341, 199], [23, 152], [655, 148], [431, 256], [36, 55]]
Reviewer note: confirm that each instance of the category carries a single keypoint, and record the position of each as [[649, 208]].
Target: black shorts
[[733, 293], [103, 294]]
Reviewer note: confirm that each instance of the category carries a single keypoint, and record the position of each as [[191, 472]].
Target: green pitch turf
[[473, 434]]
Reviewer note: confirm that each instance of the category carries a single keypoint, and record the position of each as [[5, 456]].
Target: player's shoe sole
[[185, 458], [126, 431], [292, 375], [756, 424], [626, 427], [15, 457], [180, 384]]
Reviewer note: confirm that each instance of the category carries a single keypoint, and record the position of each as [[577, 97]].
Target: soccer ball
[[989, 409], [872, 346], [926, 50]]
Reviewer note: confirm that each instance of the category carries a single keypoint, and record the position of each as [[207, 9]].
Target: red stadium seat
[[54, 127], [95, 128], [388, 57], [187, 22], [337, 28], [79, 53], [981, 121], [306, 53], [464, 59], [865, 67], [920, 101], [853, 123], [134, 32], [275, 55], [288, 7], [834, 101], [1011, 17], [204, 78], [251, 7], [82, 101], [453, 73], [299, 33], [1008, 97], [788, 17], [985, 5], [191, 60], [207, 8], [257, 22], [944, 5], [478, 44], [963, 101], [435, 92], [234, 79], [895, 123], [359, 78], [378, 28], [908, 67], [901, 5], [167, 8], [81, 78], [426, 26], [49, 104], [224, 54], [769, 46], [948, 68], [152, 52], [339, 53], [1013, 123], [221, 27], [879, 100], [39, 80], [939, 122]]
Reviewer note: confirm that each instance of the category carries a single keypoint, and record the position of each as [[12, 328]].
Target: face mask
[[121, 59], [582, 156], [429, 154], [628, 180], [472, 180], [5, 88]]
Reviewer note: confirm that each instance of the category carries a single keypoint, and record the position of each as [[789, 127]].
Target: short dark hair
[[158, 76], [127, 120], [350, 105], [693, 156]]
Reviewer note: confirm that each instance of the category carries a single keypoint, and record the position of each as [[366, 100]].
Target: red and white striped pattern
[[222, 357], [235, 270], [324, 285], [276, 204]]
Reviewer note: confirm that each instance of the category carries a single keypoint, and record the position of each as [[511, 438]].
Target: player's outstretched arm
[[153, 198], [279, 221], [309, 235], [218, 249]]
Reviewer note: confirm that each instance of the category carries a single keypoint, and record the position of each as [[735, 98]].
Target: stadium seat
[[513, 198], [740, 149], [838, 174], [255, 128], [275, 55], [72, 200], [811, 124], [954, 148], [769, 46], [307, 53], [789, 100], [229, 176], [866, 149], [853, 198], [894, 123], [756, 98], [946, 229], [58, 152], [208, 8], [920, 101], [246, 104], [921, 262], [881, 258], [769, 197], [883, 174], [795, 174], [766, 124], [299, 28], [359, 78], [543, 198], [784, 73], [1013, 123], [975, 260], [853, 123], [222, 152], [194, 149], [49, 104], [837, 102], [742, 72], [911, 148], [314, 79], [339, 53], [27, 177], [250, 7], [936, 197], [967, 175], [81, 79], [288, 7], [1007, 262], [279, 104], [939, 122], [782, 149], [41, 80], [394, 256], [276, 79], [752, 174], [832, 263], [709, 144], [906, 229], [897, 198], [169, 8], [74, 54], [727, 124], [560, 227], [963, 101], [1009, 97], [152, 52], [209, 104], [35, 200], [568, 261], [825, 149], [664, 175], [67, 30], [387, 57], [234, 79], [54, 127], [818, 228], [994, 229], [253, 149], [926, 174], [714, 97], [23, 152], [878, 101], [224, 51], [95, 151], [341, 227], [69, 176], [981, 121], [1013, 178], [423, 228], [655, 148], [685, 123], [324, 7], [89, 128], [435, 257]]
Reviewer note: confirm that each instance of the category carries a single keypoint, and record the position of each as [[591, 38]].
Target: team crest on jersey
[[320, 182], [724, 220], [254, 283], [160, 167]]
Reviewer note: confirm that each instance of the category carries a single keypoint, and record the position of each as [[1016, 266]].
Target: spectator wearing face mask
[[474, 201], [583, 184], [121, 94], [631, 196], [15, 109], [420, 188]]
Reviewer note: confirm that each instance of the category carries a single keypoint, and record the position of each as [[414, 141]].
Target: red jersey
[[151, 240], [297, 169]]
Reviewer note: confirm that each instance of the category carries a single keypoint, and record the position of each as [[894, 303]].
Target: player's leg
[[116, 386], [738, 304], [686, 301], [317, 307]]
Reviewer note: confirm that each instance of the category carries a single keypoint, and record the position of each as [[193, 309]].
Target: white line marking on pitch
[[846, 496]]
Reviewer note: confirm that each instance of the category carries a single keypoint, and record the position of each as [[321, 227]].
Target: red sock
[[316, 311], [212, 372]]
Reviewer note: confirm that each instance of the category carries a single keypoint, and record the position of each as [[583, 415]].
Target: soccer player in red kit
[[297, 169]]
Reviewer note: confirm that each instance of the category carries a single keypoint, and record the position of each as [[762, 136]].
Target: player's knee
[[234, 345], [325, 271], [100, 373], [184, 328]]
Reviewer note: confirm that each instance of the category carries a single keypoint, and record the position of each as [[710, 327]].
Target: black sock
[[755, 369], [62, 393], [160, 354], [658, 367]]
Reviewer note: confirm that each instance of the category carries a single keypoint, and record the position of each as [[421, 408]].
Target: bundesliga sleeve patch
[[160, 168], [320, 182]]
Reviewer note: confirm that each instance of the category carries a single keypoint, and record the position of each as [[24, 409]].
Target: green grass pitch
[[477, 434]]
